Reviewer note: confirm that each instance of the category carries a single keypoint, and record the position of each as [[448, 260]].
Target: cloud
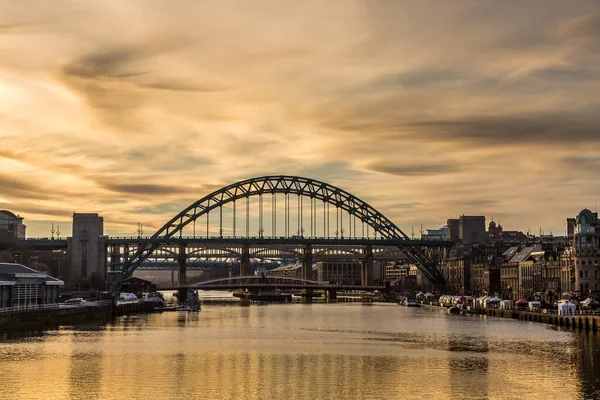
[[587, 26], [545, 128], [424, 110], [416, 168], [146, 189]]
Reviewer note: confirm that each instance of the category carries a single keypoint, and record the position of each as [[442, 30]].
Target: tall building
[[586, 253], [453, 230], [571, 227], [87, 253], [471, 229], [12, 225]]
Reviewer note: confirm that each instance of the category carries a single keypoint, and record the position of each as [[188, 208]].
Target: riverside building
[[586, 254], [12, 225]]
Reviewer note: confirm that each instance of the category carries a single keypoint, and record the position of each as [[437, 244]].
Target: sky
[[426, 110]]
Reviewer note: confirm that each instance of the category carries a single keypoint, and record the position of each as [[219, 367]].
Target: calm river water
[[319, 351]]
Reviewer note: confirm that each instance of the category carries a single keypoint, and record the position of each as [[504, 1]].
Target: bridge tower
[[181, 273], [86, 253]]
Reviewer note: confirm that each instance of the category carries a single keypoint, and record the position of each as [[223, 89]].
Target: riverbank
[[581, 322], [39, 318]]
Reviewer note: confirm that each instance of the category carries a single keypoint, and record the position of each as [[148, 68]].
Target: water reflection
[[302, 352], [588, 355]]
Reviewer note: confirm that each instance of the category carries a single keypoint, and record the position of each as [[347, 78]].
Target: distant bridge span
[[269, 282]]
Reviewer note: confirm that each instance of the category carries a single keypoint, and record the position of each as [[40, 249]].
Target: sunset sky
[[425, 109]]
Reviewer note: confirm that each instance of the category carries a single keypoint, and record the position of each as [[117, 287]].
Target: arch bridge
[[270, 217]]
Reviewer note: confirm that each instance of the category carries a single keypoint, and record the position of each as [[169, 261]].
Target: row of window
[[586, 274], [585, 287]]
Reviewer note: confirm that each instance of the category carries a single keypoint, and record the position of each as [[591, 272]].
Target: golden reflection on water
[[302, 352]]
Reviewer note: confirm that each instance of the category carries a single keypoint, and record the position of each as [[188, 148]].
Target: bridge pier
[[366, 275], [181, 274], [307, 263], [245, 261], [331, 295]]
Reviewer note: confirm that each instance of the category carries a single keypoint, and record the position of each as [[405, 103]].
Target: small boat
[[408, 303], [453, 310], [192, 301]]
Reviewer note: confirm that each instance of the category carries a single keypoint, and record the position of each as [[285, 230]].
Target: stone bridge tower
[[86, 253]]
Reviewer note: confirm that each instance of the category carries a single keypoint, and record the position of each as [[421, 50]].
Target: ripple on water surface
[[342, 351]]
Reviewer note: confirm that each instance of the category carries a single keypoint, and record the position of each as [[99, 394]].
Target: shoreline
[[589, 323]]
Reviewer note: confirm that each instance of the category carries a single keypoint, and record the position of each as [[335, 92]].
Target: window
[[581, 274]]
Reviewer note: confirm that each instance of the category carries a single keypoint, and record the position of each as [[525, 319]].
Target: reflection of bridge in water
[[271, 218]]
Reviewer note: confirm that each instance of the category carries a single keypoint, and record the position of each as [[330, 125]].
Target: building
[[12, 225], [436, 234], [21, 286], [453, 230], [471, 229], [342, 273], [292, 270], [571, 222], [478, 279], [395, 271], [494, 232], [492, 280], [379, 273], [137, 286], [551, 285], [87, 252], [586, 254], [567, 273], [457, 270]]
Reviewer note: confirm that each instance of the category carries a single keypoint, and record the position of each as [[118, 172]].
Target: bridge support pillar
[[366, 275], [307, 296], [307, 263], [181, 274], [245, 261], [331, 295]]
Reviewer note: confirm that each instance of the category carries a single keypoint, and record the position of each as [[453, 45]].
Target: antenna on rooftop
[[412, 233], [140, 231], [52, 230]]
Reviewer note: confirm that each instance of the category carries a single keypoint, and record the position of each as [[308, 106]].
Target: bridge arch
[[276, 184]]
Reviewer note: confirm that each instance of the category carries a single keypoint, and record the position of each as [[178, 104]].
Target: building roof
[[10, 214], [525, 253], [9, 272], [586, 217], [508, 254]]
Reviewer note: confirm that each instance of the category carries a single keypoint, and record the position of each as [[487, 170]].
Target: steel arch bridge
[[308, 192]]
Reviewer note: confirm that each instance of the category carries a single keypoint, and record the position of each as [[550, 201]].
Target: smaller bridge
[[270, 282]]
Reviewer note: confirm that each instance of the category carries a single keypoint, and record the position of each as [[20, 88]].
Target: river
[[295, 351]]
